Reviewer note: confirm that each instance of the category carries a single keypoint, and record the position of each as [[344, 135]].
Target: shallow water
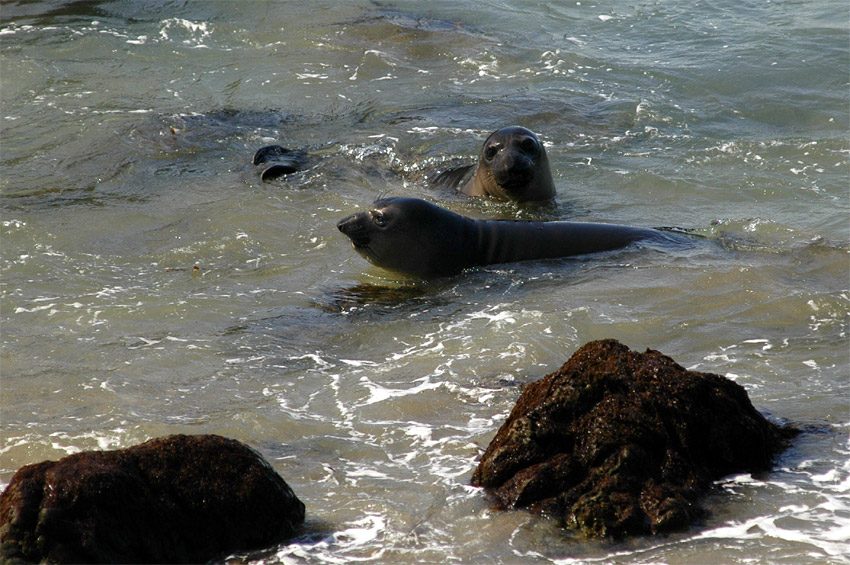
[[151, 284]]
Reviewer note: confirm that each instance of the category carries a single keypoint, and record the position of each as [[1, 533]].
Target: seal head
[[512, 165], [408, 235]]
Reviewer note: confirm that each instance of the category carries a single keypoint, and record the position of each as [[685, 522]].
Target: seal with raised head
[[512, 165], [416, 237]]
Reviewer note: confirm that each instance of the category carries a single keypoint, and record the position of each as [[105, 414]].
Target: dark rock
[[621, 443], [177, 499]]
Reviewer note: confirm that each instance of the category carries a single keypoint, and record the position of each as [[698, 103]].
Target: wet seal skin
[[416, 237], [512, 165], [283, 161]]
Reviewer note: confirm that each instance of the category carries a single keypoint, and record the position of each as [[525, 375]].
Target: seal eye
[[491, 152], [378, 218]]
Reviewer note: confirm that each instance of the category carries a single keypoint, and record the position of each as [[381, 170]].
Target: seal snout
[[353, 227], [513, 169]]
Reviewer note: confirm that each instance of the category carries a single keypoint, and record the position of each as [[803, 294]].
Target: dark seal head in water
[[416, 237], [512, 166]]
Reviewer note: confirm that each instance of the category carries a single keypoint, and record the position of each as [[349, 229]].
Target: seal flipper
[[278, 170], [456, 177], [263, 154], [286, 161]]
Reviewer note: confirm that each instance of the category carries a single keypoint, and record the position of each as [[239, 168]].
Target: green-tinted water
[[152, 285]]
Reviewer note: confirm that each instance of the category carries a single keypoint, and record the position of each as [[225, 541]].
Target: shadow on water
[[46, 13], [766, 236], [474, 119], [124, 163], [386, 298], [385, 14], [313, 532], [130, 162]]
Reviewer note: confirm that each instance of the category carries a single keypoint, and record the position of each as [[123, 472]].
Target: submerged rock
[[621, 443], [178, 499]]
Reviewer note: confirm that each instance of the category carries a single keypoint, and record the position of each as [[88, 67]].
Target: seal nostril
[[344, 224], [521, 163], [353, 228]]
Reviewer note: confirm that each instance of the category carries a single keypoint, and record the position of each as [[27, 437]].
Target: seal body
[[418, 238], [512, 165]]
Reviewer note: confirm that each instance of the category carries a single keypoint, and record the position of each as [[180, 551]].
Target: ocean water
[[152, 285]]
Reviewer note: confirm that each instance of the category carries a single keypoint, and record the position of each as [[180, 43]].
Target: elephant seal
[[416, 237], [512, 165]]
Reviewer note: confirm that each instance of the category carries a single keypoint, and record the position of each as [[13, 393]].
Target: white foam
[[359, 363], [21, 309], [198, 31], [366, 472], [419, 431], [337, 547], [12, 443], [315, 357], [378, 393]]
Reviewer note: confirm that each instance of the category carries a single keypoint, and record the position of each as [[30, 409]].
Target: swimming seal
[[512, 165], [416, 237]]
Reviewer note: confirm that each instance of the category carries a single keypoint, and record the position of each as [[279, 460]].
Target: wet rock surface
[[173, 499], [621, 443]]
